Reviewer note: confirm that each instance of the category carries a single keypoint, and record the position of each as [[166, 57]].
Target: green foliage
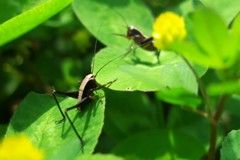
[[230, 146], [37, 116], [24, 22], [169, 145], [100, 157], [165, 110], [213, 45]]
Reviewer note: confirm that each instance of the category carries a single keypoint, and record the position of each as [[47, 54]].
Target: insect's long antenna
[[95, 46], [121, 17], [122, 55]]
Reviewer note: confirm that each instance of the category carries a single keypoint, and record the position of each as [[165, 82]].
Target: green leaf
[[160, 144], [106, 17], [100, 157], [26, 21], [68, 153], [227, 9], [236, 25], [211, 45], [210, 32], [231, 146], [179, 97], [36, 117], [140, 71], [227, 87]]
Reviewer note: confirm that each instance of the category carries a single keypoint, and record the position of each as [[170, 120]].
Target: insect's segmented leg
[[71, 123], [157, 53], [104, 85], [69, 94]]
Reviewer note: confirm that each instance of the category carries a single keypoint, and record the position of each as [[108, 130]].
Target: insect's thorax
[[140, 39], [88, 84]]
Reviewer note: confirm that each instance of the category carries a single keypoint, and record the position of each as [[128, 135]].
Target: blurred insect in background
[[138, 39]]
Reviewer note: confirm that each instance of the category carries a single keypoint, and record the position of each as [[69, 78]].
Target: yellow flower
[[19, 147], [168, 28]]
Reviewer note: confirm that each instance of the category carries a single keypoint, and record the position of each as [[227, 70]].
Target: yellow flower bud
[[168, 28]]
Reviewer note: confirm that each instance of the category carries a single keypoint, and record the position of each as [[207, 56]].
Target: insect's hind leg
[[157, 53], [65, 113], [70, 121], [69, 94]]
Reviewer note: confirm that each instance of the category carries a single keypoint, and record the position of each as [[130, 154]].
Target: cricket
[[138, 38]]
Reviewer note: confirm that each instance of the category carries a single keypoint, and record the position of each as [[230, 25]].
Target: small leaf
[[180, 97], [231, 146], [36, 117], [26, 21], [231, 87]]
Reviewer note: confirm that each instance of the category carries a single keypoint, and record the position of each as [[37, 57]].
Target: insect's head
[[132, 32]]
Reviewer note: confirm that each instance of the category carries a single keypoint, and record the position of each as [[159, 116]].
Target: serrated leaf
[[26, 21], [231, 146], [160, 144], [36, 117]]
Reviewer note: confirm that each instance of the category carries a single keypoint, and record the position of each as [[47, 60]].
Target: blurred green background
[[56, 54]]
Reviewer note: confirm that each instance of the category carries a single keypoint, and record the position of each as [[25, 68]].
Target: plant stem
[[213, 134], [201, 89], [199, 112], [213, 118]]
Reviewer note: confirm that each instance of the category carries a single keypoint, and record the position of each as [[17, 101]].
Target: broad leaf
[[36, 117], [141, 71], [104, 18], [135, 71]]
